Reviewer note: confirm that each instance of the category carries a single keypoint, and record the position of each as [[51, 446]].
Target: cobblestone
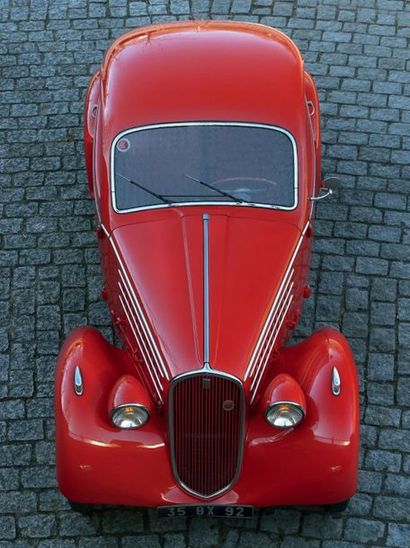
[[398, 535], [357, 51], [7, 527]]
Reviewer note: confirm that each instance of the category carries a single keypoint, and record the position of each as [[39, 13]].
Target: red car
[[203, 158]]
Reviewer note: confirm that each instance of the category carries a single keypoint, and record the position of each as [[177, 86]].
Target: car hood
[[248, 257]]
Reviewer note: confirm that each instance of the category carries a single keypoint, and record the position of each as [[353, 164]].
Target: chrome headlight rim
[[138, 406], [299, 408]]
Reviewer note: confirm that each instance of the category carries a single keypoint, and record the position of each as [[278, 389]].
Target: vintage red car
[[203, 158]]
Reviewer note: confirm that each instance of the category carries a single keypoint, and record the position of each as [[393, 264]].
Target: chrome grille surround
[[209, 470]]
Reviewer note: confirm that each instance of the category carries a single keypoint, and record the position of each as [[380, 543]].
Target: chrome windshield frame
[[213, 202]]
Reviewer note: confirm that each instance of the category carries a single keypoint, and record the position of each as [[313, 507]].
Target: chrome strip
[[271, 341], [155, 380], [274, 305], [181, 204], [276, 325], [262, 370], [312, 129], [234, 204], [139, 313], [140, 341], [106, 231], [201, 371], [205, 222], [94, 172], [269, 321], [136, 329], [138, 308], [138, 335], [138, 323], [172, 385], [274, 330], [336, 384], [78, 381]]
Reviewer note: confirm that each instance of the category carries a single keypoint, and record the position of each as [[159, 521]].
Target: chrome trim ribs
[[268, 324], [152, 370], [139, 324], [205, 223], [273, 323], [140, 314], [275, 332]]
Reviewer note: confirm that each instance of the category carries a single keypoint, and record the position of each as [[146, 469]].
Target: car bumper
[[313, 464]]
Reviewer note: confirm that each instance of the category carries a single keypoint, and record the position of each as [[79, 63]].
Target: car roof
[[208, 70]]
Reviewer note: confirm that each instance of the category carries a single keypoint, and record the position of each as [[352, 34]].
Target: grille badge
[[228, 405]]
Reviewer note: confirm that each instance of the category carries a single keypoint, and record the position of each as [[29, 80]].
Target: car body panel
[[161, 265], [169, 283], [182, 76], [166, 90], [315, 463]]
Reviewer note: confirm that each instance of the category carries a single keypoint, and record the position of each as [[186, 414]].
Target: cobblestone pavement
[[357, 50]]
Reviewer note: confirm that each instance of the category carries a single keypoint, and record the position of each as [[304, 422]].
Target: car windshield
[[204, 163]]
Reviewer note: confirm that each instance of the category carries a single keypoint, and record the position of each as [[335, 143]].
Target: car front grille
[[206, 430]]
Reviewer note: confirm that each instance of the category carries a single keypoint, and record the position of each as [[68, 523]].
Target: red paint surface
[[248, 255], [283, 388], [315, 463], [128, 390], [176, 73]]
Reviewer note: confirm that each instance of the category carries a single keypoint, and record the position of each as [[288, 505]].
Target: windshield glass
[[204, 162]]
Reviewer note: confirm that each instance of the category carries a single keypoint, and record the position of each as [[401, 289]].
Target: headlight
[[284, 414], [129, 416]]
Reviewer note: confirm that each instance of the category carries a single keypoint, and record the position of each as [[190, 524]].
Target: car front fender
[[317, 461], [89, 449]]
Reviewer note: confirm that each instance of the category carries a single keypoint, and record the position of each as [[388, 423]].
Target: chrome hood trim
[[205, 224]]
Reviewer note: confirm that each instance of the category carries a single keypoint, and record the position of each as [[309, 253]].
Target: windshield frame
[[213, 202]]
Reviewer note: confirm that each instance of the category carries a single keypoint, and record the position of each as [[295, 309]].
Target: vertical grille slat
[[206, 425]]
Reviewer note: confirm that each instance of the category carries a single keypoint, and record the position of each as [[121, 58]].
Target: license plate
[[207, 511]]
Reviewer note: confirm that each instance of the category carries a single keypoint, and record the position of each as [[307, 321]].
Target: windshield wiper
[[145, 189], [222, 192], [190, 196]]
